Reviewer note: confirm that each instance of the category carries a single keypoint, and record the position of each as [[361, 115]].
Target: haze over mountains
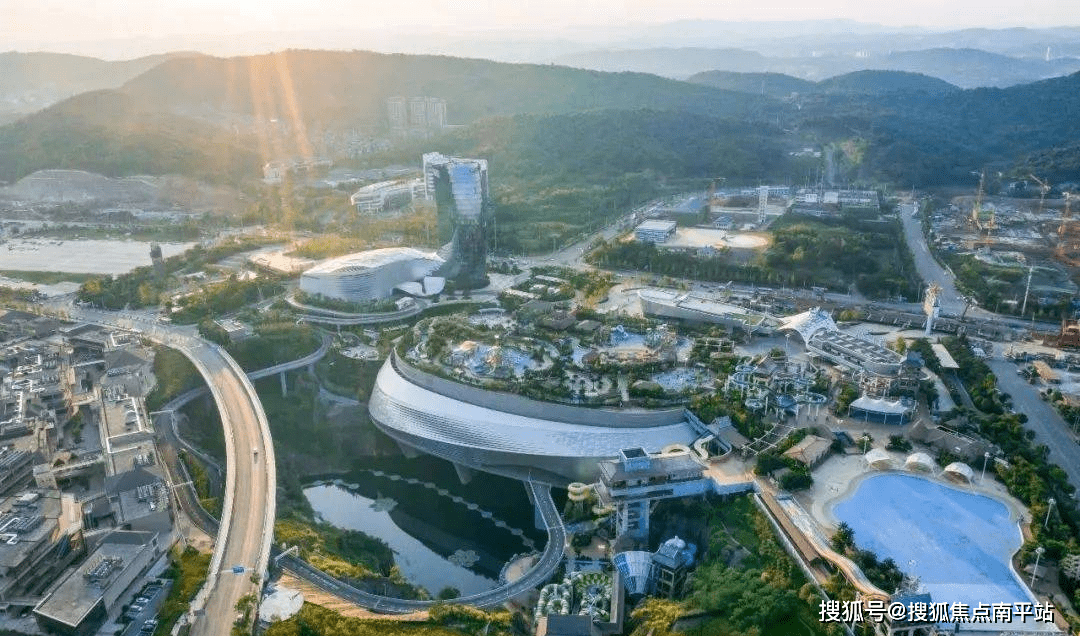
[[963, 67], [779, 86], [220, 119], [32, 81]]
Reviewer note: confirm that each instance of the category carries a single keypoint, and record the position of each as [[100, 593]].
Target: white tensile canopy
[[959, 471], [879, 459], [920, 462]]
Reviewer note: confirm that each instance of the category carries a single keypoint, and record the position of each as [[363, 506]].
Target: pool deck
[[840, 475]]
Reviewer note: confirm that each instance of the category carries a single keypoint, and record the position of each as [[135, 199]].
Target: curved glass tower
[[459, 188]]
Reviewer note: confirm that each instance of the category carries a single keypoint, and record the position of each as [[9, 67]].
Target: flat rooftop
[[865, 349], [86, 586], [657, 225], [26, 521]]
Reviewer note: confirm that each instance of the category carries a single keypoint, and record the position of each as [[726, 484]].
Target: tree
[[844, 538], [213, 332]]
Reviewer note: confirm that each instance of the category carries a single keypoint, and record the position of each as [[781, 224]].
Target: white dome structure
[[920, 462], [879, 459], [960, 472]]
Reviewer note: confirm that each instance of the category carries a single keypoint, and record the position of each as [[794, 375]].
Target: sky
[[59, 21]]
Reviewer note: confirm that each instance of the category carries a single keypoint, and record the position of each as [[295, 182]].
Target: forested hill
[[331, 89], [938, 138], [220, 119], [106, 133], [68, 74], [780, 85]]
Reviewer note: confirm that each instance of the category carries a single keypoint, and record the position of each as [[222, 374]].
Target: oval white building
[[374, 275]]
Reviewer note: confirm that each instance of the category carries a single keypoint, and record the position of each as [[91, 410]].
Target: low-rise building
[[810, 451], [16, 467], [139, 499], [655, 231], [34, 548], [81, 602], [670, 563]]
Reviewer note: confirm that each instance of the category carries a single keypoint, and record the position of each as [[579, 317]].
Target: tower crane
[[976, 210], [1065, 215], [1044, 189]]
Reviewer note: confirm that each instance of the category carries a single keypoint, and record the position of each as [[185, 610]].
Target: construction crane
[[1044, 189], [1068, 243], [976, 210], [1065, 214]]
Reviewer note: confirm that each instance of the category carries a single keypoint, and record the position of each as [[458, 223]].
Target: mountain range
[[963, 67], [220, 119]]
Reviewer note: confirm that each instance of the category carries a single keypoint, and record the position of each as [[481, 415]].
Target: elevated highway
[[246, 528]]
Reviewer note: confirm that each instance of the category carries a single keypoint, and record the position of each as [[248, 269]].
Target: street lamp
[[1051, 501], [1038, 554], [986, 458]]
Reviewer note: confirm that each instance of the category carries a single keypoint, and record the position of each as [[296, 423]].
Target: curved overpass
[[189, 395], [245, 532], [539, 573]]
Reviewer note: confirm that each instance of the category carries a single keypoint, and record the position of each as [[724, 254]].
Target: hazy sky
[[59, 21]]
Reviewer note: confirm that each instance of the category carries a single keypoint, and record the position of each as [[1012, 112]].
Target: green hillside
[[104, 132], [331, 88], [771, 84], [780, 85]]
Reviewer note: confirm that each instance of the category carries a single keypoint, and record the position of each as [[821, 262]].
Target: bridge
[[245, 533]]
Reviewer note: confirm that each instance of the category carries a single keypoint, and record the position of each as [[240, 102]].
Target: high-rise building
[[416, 114], [459, 188], [157, 260]]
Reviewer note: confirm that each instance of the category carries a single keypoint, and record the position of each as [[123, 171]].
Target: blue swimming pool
[[961, 543]]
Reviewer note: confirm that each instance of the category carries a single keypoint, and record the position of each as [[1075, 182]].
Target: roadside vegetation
[[1028, 473], [200, 478], [216, 299], [46, 278], [188, 569], [174, 374], [325, 302], [142, 287], [347, 377], [444, 620]]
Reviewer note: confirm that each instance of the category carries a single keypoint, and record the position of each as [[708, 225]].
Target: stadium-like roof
[[371, 259]]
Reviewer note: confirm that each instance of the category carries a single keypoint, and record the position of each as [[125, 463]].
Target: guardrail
[[540, 572]]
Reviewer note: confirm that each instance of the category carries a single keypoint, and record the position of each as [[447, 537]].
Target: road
[[246, 529], [539, 573], [1043, 419], [247, 524], [930, 270]]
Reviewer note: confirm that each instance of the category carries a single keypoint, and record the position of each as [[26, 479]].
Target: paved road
[[1049, 427], [247, 524], [930, 270], [539, 573], [246, 528]]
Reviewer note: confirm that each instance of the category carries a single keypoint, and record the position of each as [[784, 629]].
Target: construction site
[[1018, 250]]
